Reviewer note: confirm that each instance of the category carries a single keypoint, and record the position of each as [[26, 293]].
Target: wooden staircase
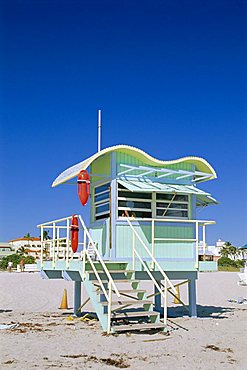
[[119, 308], [132, 311]]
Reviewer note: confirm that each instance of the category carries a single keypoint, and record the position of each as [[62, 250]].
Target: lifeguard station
[[143, 226]]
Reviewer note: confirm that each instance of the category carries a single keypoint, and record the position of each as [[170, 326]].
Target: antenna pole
[[99, 130]]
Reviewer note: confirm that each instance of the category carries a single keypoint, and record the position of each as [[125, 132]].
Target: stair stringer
[[94, 297]]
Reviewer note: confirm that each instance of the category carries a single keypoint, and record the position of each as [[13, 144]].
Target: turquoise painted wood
[[100, 236], [116, 244], [163, 249], [95, 300]]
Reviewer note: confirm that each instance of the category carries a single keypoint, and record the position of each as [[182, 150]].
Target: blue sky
[[169, 76]]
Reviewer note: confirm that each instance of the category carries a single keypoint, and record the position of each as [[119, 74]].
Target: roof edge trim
[[73, 171]]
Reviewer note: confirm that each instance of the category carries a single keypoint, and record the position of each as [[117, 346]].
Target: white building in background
[[212, 252], [220, 243], [32, 245], [29, 243], [215, 249], [5, 250]]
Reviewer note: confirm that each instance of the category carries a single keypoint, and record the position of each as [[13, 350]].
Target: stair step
[[129, 290], [109, 262], [142, 326], [112, 271], [116, 281], [123, 315], [128, 302]]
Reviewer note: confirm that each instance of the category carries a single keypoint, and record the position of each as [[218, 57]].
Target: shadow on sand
[[213, 312]]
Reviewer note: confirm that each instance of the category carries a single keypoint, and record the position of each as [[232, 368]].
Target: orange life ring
[[74, 233], [83, 182]]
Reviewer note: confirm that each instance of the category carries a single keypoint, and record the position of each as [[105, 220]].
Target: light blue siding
[[163, 249], [100, 235]]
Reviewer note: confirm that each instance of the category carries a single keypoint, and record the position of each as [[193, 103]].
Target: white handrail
[[149, 273], [53, 226], [162, 293], [85, 255], [109, 308], [99, 256], [197, 223], [177, 220], [97, 275], [58, 220], [152, 258]]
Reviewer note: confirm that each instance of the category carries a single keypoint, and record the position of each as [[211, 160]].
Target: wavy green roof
[[200, 163]]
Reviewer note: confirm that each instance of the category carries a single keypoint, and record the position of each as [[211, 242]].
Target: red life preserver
[[74, 233], [83, 182]]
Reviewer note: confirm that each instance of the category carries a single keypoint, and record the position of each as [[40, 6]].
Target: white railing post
[[53, 243], [197, 244], [97, 275], [84, 240], [84, 265], [84, 254], [133, 252], [151, 276], [109, 307], [42, 247], [165, 302], [204, 240], [67, 242], [152, 262], [58, 242], [99, 259]]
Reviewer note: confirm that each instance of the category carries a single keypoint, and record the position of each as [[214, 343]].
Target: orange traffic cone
[[64, 302], [177, 298]]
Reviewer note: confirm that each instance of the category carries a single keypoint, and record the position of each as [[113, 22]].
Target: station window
[[137, 204], [172, 205], [102, 201], [152, 205]]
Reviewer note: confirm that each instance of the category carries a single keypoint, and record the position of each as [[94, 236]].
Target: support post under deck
[[157, 298], [77, 298], [192, 298]]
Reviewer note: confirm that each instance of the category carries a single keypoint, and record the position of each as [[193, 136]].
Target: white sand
[[46, 339]]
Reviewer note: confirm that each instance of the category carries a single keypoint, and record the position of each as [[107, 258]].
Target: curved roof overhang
[[200, 163]]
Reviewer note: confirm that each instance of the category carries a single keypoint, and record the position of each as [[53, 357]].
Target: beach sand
[[45, 338]]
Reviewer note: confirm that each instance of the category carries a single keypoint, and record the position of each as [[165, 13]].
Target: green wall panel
[[181, 232], [102, 165], [122, 158]]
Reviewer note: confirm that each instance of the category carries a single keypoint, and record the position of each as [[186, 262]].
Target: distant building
[[29, 243], [220, 243], [32, 245], [5, 250], [211, 252], [33, 252], [216, 249]]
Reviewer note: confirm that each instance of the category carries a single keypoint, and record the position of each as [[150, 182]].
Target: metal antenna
[[99, 130]]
